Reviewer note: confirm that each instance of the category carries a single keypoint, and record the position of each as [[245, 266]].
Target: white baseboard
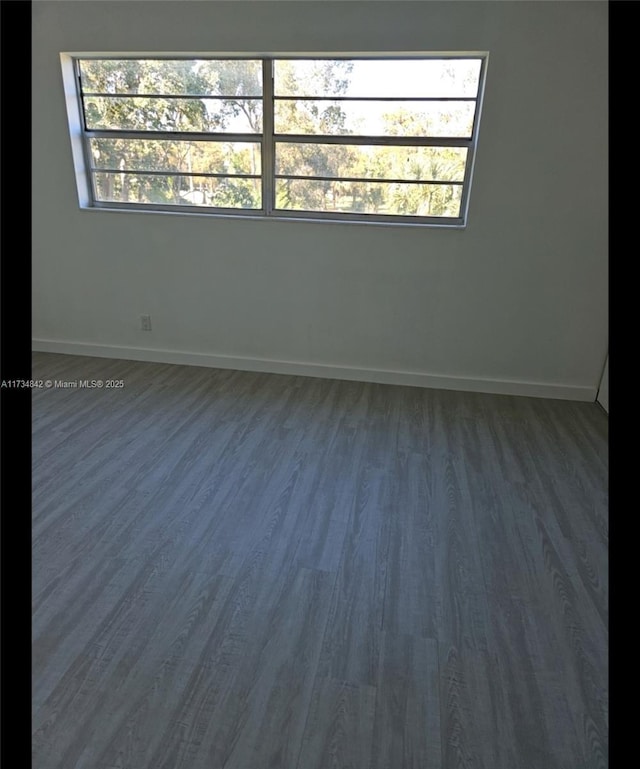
[[325, 371]]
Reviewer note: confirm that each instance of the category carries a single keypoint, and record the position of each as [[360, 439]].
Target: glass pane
[[179, 156], [131, 113], [172, 77], [213, 192], [439, 164], [369, 197], [377, 78], [375, 118]]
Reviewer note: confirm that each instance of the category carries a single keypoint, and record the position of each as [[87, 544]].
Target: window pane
[[375, 118], [203, 115], [377, 78], [371, 161], [369, 197], [172, 77], [163, 155], [226, 192]]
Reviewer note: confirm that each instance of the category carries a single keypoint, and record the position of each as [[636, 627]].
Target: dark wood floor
[[252, 571]]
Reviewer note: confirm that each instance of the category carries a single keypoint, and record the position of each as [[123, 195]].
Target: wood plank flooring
[[239, 570]]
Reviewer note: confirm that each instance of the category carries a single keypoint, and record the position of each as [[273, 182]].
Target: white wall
[[516, 302]]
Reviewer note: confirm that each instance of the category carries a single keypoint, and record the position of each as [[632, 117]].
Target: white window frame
[[80, 136]]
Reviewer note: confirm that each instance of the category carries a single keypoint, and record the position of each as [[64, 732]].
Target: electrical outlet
[[145, 322]]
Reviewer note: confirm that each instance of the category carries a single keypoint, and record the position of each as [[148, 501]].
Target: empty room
[[319, 388]]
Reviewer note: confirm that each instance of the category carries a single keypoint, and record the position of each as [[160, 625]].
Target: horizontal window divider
[[357, 56], [183, 208], [183, 136], [173, 173], [393, 141], [362, 217], [375, 98], [233, 97], [201, 57], [367, 180]]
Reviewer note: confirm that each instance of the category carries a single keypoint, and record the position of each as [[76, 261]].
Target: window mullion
[[391, 140], [268, 144]]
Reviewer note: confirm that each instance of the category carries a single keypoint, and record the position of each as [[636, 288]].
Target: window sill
[[276, 218]]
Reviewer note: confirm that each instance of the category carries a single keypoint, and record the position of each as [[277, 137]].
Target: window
[[365, 139]]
